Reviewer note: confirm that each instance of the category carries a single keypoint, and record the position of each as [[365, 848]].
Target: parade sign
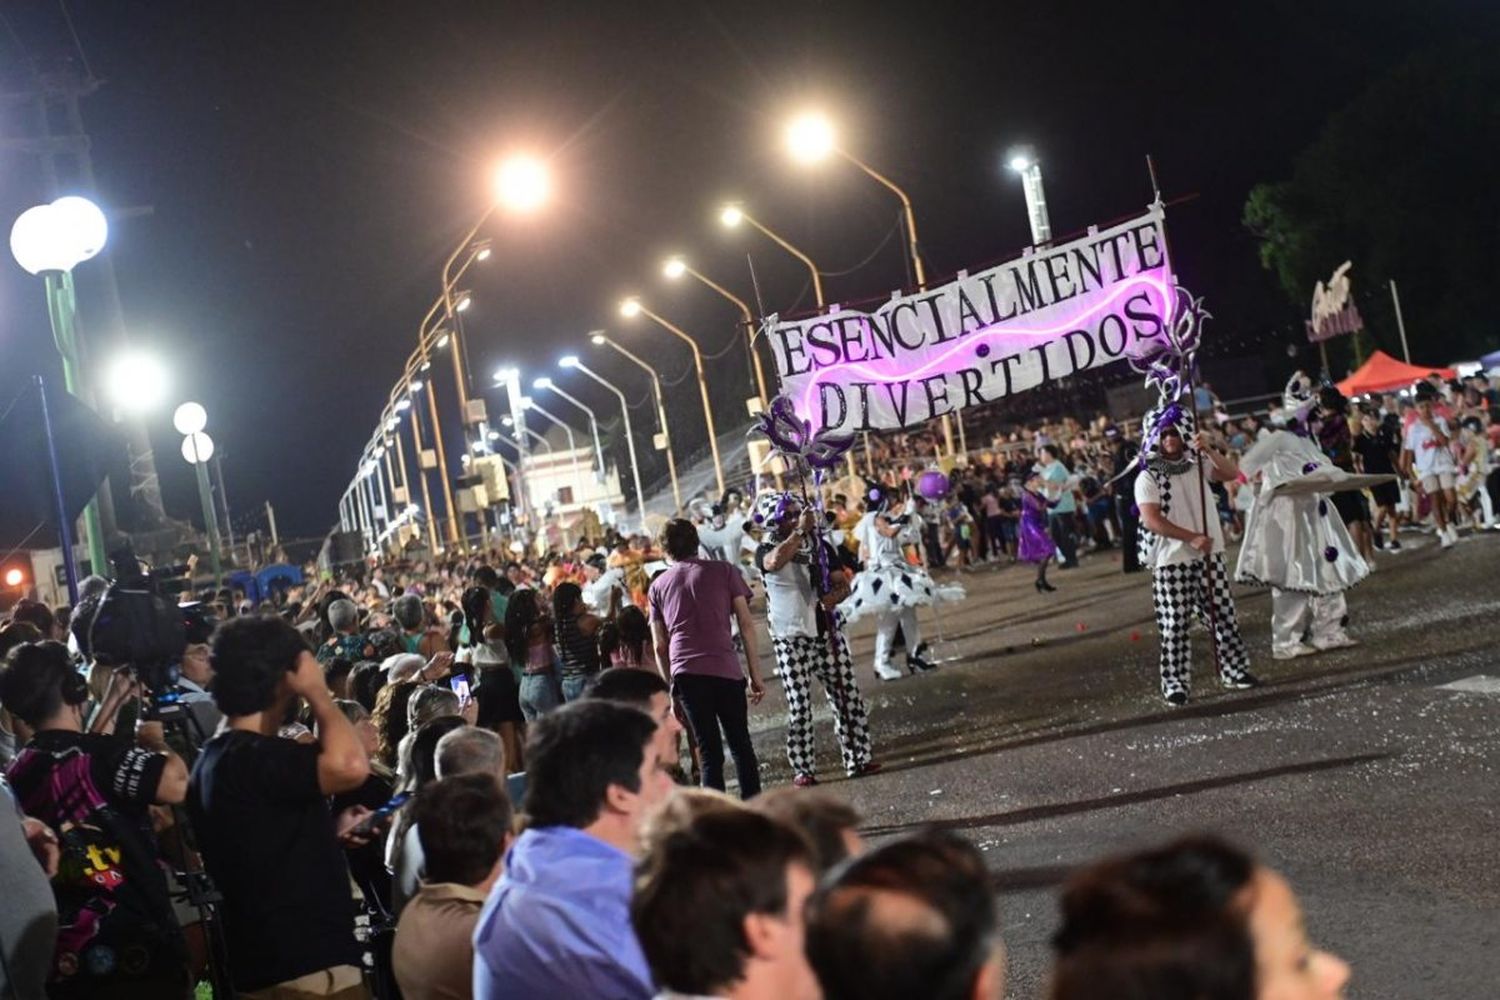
[[1050, 314]]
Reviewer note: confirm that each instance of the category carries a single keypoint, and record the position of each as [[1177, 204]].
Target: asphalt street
[[1367, 775]]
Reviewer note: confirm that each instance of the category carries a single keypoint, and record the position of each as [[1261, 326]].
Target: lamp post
[[197, 449], [1030, 172], [403, 405], [810, 139], [631, 308], [571, 361], [548, 384], [510, 380], [532, 404], [51, 240], [600, 339], [730, 216], [676, 267]]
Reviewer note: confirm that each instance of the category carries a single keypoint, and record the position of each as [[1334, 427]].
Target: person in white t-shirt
[[1182, 542], [793, 559], [1427, 459]]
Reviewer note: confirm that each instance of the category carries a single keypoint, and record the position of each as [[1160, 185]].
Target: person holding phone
[[259, 806]]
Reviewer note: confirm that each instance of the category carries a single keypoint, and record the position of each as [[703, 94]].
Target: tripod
[[185, 735]]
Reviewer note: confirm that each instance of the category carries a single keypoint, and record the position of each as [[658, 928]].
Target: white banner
[[982, 337]]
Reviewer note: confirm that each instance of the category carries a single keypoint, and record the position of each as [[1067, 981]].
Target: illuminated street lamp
[[522, 183], [676, 267], [811, 138], [51, 240], [135, 382], [730, 216], [600, 339], [1030, 171], [190, 419], [631, 308], [571, 361], [547, 384]]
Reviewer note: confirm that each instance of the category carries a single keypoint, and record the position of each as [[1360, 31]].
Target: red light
[[14, 577]]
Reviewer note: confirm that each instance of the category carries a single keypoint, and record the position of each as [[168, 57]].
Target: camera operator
[[259, 804], [197, 673], [117, 935]]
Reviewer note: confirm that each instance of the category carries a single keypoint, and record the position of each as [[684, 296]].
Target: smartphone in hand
[[378, 820], [460, 685]]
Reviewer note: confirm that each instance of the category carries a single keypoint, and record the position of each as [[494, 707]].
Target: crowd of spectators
[[464, 777]]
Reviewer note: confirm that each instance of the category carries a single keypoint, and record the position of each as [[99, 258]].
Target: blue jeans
[[573, 685], [540, 694]]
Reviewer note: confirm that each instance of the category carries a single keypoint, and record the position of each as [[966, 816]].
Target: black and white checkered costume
[[799, 658], [805, 647], [1182, 588]]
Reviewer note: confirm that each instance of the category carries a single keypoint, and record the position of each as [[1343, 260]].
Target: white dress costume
[[892, 589], [1295, 541]]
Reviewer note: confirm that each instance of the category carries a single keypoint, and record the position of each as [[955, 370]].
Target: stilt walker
[[805, 636]]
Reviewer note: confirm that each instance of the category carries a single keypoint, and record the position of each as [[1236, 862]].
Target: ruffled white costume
[[1295, 541]]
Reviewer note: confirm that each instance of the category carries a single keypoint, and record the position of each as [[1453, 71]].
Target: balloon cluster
[[793, 438], [1170, 361]]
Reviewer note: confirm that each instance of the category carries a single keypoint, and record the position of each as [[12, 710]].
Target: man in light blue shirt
[[1059, 485], [557, 924]]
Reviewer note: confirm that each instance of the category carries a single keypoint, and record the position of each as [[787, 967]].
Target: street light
[[676, 267], [532, 404], [547, 384], [522, 183], [571, 361], [600, 339], [633, 307], [51, 240], [1030, 171], [135, 382], [197, 448], [733, 214], [463, 301]]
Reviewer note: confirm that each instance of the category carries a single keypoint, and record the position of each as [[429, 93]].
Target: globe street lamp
[[1030, 171], [676, 267], [571, 361], [731, 215], [599, 339], [135, 382], [51, 240], [631, 308], [197, 448]]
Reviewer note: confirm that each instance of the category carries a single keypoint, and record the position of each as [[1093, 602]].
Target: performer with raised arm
[[1295, 541], [889, 587], [1182, 542], [805, 580]]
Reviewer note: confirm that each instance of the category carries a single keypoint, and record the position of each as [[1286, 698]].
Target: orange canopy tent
[[1383, 372]]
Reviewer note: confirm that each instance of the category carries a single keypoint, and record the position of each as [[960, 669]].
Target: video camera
[[138, 628]]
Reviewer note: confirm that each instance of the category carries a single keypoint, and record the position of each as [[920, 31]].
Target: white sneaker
[[1447, 538], [1337, 642], [887, 673], [1292, 652]]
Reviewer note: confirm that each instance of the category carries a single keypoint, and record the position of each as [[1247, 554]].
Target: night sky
[[308, 166]]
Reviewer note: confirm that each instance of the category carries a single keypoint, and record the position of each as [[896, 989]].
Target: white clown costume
[[1295, 541], [889, 587]]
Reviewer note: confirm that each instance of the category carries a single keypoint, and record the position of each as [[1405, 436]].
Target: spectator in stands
[[465, 826], [718, 907], [416, 636], [347, 640], [471, 750], [557, 923], [912, 918], [259, 808], [92, 790], [1194, 920], [389, 718], [29, 855], [403, 848], [830, 825], [365, 682]]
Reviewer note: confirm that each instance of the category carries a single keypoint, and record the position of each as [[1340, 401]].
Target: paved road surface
[[1360, 773]]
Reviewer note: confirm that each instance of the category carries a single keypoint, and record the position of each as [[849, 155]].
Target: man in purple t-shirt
[[691, 607]]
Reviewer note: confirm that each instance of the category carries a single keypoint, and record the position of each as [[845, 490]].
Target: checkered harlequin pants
[[1179, 592], [798, 659]]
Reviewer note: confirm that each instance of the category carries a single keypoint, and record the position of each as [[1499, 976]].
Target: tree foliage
[[1404, 182]]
